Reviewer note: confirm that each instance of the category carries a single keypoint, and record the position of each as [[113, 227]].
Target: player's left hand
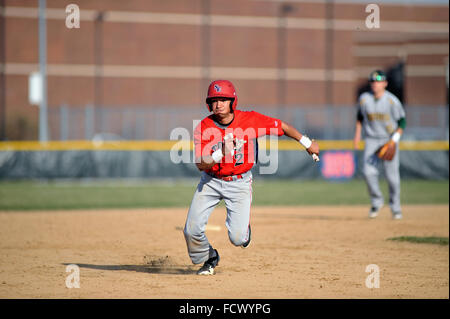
[[387, 151]]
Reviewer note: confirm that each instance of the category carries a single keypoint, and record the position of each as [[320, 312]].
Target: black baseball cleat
[[247, 243], [209, 265]]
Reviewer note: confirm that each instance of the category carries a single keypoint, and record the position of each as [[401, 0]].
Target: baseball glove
[[387, 151]]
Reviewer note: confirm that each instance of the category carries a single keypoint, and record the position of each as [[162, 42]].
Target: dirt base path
[[296, 252]]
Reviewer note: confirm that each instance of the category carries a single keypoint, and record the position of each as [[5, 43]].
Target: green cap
[[377, 76]]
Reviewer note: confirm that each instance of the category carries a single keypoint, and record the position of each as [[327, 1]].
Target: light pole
[[329, 49], [282, 49], [206, 44], [98, 57], [2, 73], [43, 123]]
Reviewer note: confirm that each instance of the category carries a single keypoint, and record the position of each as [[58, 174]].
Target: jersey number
[[239, 157]]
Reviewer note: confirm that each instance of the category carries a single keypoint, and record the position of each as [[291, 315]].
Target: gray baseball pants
[[237, 195], [371, 169]]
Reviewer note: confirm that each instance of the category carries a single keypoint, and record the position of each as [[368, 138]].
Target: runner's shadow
[[166, 270]]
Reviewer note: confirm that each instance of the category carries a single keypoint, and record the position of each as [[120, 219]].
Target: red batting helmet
[[221, 88]]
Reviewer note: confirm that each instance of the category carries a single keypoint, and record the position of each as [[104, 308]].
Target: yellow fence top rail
[[153, 145]]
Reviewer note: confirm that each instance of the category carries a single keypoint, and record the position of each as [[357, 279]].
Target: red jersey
[[246, 127]]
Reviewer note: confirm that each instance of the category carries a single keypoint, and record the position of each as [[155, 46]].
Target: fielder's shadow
[[165, 270]]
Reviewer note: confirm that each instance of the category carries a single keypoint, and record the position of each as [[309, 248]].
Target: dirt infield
[[296, 252]]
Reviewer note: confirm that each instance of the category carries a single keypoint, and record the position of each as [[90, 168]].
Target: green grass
[[35, 195], [422, 240], [345, 193]]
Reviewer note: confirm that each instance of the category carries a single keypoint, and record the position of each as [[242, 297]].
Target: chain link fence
[[155, 122]]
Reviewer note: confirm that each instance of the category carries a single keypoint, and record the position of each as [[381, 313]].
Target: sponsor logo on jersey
[[378, 117]]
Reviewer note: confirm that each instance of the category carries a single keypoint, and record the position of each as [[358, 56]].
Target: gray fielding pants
[[371, 170], [237, 196]]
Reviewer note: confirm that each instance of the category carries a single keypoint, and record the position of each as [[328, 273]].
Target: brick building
[[163, 53]]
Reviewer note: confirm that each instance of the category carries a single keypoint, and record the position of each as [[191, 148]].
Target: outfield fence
[[135, 142], [156, 123], [163, 159]]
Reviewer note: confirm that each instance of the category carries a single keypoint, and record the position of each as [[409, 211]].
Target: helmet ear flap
[[232, 105], [209, 104]]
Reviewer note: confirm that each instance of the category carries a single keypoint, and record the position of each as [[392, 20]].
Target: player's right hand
[[228, 148], [314, 148], [356, 143]]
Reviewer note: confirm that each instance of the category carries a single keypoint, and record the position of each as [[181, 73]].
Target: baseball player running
[[382, 118], [225, 151]]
